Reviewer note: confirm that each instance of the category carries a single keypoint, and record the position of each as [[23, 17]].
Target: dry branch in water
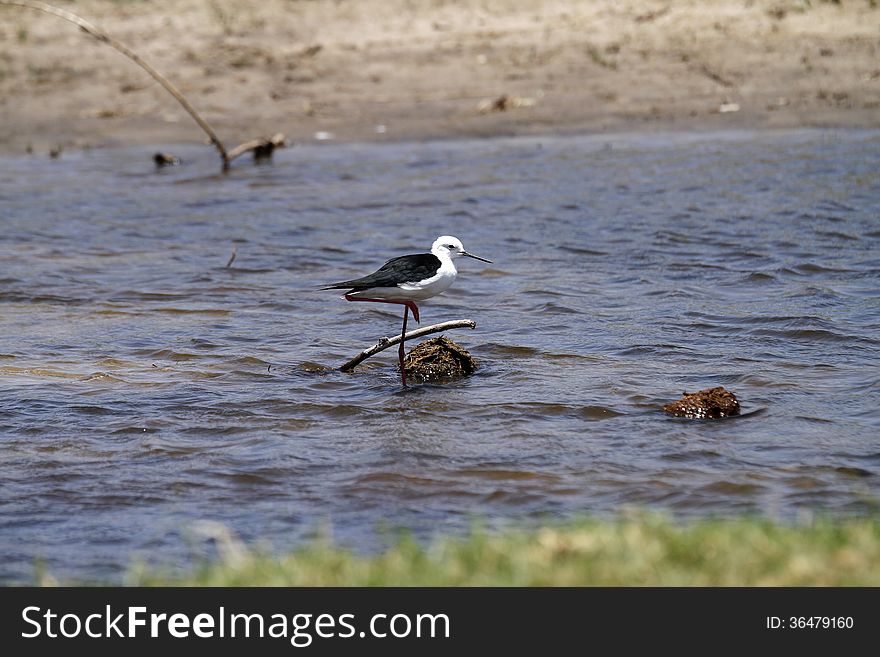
[[261, 147], [384, 343]]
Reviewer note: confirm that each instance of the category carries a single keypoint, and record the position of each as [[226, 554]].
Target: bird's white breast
[[433, 286]]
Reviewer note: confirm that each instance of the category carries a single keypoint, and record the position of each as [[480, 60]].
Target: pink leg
[[408, 305], [401, 351]]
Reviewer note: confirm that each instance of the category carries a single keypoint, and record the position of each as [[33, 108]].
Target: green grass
[[628, 551]]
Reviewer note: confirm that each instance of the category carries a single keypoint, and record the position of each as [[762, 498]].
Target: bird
[[409, 278]]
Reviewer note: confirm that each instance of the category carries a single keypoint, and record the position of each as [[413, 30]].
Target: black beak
[[471, 255]]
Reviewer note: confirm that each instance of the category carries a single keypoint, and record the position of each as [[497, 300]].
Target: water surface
[[145, 386]]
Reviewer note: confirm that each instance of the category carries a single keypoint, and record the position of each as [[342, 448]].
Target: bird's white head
[[448, 246]]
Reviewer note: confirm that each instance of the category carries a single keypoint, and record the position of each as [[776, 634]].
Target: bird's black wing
[[403, 269]]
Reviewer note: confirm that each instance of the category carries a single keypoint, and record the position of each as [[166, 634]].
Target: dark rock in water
[[166, 160], [710, 403], [438, 358]]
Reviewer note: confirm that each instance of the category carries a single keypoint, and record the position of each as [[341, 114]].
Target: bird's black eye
[[451, 247]]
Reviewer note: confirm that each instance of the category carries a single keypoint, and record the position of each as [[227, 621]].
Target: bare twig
[[384, 343], [101, 35]]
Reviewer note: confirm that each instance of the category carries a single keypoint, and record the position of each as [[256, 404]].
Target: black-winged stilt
[[407, 279]]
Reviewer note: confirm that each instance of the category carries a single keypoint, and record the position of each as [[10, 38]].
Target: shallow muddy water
[[144, 385]]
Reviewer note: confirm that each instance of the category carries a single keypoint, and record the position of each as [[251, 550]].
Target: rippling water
[[144, 385]]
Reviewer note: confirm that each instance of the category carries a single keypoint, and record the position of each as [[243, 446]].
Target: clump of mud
[[437, 359], [712, 403]]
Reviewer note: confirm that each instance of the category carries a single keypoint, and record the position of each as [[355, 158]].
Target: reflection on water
[[144, 385]]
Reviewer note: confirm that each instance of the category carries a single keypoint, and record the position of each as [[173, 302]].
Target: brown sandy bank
[[433, 69]]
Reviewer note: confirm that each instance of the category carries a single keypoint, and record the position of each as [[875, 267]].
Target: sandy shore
[[422, 69]]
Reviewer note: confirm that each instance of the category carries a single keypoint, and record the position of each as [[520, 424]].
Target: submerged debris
[[264, 150], [438, 358], [166, 160], [314, 368], [710, 403], [232, 257]]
